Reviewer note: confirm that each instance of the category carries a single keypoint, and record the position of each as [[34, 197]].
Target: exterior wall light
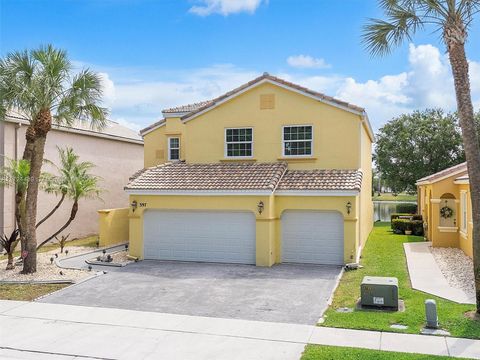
[[349, 207], [134, 205], [260, 207]]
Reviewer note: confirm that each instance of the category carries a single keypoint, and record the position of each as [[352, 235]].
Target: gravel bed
[[119, 257], [456, 267], [46, 270]]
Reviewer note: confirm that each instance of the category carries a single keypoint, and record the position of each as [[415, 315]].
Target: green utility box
[[379, 292]]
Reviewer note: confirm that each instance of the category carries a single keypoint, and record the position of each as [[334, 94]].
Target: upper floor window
[[297, 140], [463, 208], [173, 148], [239, 142]]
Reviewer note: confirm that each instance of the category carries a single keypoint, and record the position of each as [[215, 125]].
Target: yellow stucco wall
[[268, 224], [336, 139], [113, 226], [366, 204], [430, 196]]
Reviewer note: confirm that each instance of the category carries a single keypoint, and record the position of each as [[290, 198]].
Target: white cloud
[[137, 96], [108, 88], [307, 62], [225, 7]]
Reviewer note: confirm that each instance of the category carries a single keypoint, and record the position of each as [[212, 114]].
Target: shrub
[[407, 208], [405, 216], [400, 225]]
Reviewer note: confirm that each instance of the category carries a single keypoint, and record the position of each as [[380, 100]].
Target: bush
[[405, 216], [407, 208], [400, 225]]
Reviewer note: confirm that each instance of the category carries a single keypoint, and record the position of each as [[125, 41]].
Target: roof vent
[[267, 101]]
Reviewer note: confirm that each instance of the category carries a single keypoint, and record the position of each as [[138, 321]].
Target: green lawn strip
[[27, 292], [317, 352], [384, 256], [89, 241], [390, 197]]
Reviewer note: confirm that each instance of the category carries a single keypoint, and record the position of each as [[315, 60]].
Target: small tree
[[9, 243], [77, 182], [62, 241]]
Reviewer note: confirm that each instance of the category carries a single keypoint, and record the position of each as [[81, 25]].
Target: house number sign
[[142, 204]]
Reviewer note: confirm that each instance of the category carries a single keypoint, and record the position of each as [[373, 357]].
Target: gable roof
[[454, 170], [243, 178], [190, 111]]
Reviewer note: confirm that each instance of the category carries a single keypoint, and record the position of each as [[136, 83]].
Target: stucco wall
[[115, 162], [336, 135]]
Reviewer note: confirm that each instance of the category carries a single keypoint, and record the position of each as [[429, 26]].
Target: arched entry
[[447, 210]]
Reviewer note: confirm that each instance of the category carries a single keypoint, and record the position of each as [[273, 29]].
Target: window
[[463, 207], [297, 140], [239, 142], [173, 148]]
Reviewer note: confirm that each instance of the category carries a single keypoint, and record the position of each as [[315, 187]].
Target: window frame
[[283, 141], [463, 212], [225, 148], [170, 148]]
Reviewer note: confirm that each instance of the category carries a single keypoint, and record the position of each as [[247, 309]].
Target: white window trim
[[463, 212], [169, 148], [283, 141], [225, 147]]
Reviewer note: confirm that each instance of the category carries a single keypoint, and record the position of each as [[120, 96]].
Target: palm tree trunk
[[51, 212], [459, 64], [73, 213], [42, 126], [10, 265]]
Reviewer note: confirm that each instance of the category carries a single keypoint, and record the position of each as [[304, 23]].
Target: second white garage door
[[312, 237], [204, 236]]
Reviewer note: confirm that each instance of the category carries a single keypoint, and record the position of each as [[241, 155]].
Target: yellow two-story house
[[267, 173]]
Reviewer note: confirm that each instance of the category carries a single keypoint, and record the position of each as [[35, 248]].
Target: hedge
[[400, 225], [407, 208], [405, 216]]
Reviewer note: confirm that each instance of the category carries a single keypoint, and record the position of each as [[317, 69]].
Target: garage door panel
[[314, 237], [200, 236]]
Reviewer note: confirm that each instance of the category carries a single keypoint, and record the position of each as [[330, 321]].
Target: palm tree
[[76, 182], [453, 19], [39, 85]]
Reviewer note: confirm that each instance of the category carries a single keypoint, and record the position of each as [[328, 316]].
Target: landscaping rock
[[456, 267]]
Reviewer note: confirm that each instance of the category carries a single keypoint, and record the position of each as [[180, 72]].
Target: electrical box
[[379, 292]]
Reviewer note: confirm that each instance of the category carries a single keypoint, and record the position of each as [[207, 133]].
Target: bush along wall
[[407, 208], [399, 226]]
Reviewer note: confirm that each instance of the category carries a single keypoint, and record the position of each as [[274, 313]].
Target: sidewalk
[[66, 331], [78, 261], [426, 276]]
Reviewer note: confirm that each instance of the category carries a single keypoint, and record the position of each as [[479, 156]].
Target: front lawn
[[391, 197], [384, 256], [317, 352], [27, 292]]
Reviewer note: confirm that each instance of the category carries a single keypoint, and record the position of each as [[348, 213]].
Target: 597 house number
[[142, 204]]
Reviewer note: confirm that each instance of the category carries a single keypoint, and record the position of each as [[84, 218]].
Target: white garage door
[[313, 237], [227, 237]]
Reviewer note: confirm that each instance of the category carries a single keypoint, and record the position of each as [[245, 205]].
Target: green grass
[[316, 352], [89, 241], [390, 197], [384, 256], [27, 292]]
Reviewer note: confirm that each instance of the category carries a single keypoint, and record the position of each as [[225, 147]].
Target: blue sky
[[156, 54]]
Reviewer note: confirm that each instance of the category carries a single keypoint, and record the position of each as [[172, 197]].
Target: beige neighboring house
[[115, 151]]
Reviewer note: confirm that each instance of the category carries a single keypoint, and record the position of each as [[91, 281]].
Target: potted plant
[[408, 228]]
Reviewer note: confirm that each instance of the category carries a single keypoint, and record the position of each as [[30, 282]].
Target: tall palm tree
[[453, 19], [76, 182], [40, 85]]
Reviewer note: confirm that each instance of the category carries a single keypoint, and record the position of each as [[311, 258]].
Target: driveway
[[282, 293]]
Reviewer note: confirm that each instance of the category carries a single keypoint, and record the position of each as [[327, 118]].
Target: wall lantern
[[134, 205], [260, 207], [349, 207]]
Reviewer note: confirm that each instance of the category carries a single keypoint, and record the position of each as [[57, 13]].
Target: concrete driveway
[[282, 293]]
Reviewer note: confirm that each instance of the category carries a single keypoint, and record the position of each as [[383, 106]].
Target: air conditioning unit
[[381, 292]]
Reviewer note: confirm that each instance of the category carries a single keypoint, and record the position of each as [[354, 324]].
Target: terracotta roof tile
[[241, 177], [187, 108], [321, 180], [218, 176], [457, 169]]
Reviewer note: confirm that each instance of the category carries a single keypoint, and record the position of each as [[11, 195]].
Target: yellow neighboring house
[[267, 173], [444, 203]]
